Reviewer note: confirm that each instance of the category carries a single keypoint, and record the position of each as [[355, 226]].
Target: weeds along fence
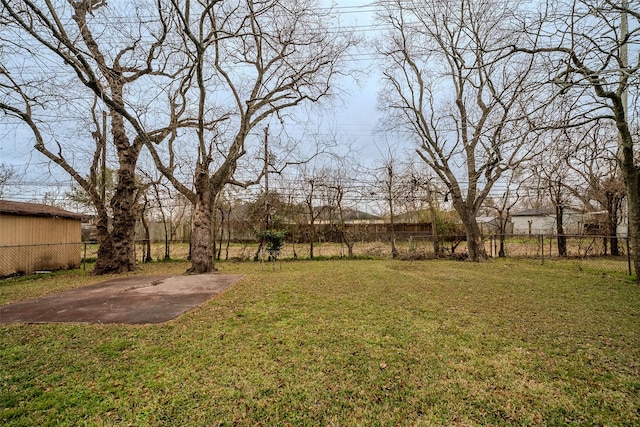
[[605, 252], [552, 246], [596, 251], [589, 251]]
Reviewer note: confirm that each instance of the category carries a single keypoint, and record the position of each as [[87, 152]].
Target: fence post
[[542, 247]]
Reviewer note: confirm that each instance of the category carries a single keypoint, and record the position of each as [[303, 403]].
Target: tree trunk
[[147, 237], [167, 255], [562, 239], [501, 252], [293, 245], [116, 253], [632, 178], [612, 222], [256, 256], [346, 238], [348, 243], [434, 229], [312, 226], [394, 249], [202, 244], [201, 238], [475, 246], [220, 240], [503, 236], [503, 233], [312, 236]]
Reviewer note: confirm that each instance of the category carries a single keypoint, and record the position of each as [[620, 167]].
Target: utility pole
[[624, 52]]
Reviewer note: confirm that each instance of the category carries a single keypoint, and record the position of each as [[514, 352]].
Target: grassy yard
[[343, 343]]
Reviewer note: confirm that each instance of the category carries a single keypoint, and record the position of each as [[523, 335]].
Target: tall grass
[[345, 343]]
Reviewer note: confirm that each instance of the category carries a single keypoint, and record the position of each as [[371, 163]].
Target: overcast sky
[[353, 118], [360, 115]]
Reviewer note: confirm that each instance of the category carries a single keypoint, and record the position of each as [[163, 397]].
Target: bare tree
[[249, 60], [555, 182], [154, 204], [7, 174], [389, 182], [225, 205], [143, 211], [110, 60], [340, 191], [312, 185], [158, 188], [293, 212], [599, 185], [422, 193], [587, 46], [503, 205], [453, 85]]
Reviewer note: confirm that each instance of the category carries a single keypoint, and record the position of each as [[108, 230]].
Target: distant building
[[37, 237], [543, 221], [491, 225], [328, 215]]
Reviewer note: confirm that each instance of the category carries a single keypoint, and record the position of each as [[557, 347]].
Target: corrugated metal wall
[[31, 243]]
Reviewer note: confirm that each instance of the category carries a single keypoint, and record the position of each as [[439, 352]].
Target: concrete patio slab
[[130, 300]]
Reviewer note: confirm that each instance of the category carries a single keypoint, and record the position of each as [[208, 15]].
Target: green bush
[[274, 238]]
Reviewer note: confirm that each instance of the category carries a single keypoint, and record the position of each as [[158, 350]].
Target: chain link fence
[[608, 253], [552, 246], [598, 252], [590, 251], [29, 259]]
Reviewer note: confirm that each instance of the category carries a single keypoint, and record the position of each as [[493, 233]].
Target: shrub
[[274, 238]]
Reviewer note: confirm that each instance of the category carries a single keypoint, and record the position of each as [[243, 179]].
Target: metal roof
[[534, 212], [35, 209]]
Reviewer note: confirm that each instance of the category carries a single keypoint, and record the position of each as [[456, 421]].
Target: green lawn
[[343, 343]]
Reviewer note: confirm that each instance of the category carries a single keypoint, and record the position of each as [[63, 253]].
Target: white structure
[[491, 225], [543, 221]]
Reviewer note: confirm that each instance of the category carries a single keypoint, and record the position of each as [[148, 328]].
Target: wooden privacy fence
[[243, 231]]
